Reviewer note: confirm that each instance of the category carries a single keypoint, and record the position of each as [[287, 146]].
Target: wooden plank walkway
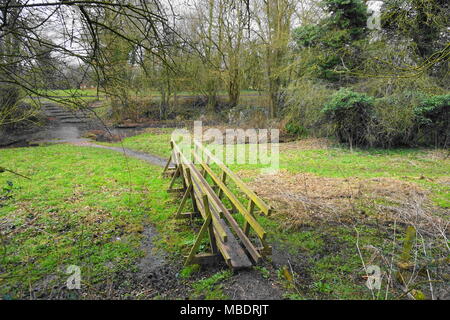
[[226, 237]]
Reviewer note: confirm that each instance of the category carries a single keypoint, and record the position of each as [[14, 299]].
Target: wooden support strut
[[218, 221], [174, 177], [166, 167], [187, 194], [260, 203], [250, 219], [205, 227], [256, 256], [201, 187]]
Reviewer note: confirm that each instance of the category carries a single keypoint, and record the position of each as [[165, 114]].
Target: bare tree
[[273, 19], [95, 34]]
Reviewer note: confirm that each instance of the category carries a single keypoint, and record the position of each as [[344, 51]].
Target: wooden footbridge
[[234, 233]]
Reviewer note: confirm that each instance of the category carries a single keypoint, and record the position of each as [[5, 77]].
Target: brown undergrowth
[[412, 246], [305, 198]]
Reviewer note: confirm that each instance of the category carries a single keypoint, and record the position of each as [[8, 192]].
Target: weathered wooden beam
[[185, 215], [218, 224], [166, 167], [221, 238], [169, 173], [174, 177], [265, 250], [204, 188], [258, 201], [223, 178], [201, 233], [247, 243], [250, 219], [206, 259], [176, 190], [212, 237], [188, 193], [251, 207], [231, 250]]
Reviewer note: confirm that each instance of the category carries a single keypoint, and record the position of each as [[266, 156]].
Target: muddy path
[[150, 158]]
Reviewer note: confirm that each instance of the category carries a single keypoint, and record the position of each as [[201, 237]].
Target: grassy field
[[84, 207], [154, 141], [70, 92], [76, 96], [350, 196], [336, 211], [421, 166]]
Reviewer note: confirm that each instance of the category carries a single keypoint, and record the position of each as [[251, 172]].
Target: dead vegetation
[[304, 198], [414, 232], [306, 144]]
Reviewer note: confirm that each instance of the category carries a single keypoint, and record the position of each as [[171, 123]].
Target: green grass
[[211, 287], [79, 203], [331, 260], [364, 163], [189, 270], [413, 165], [83, 207], [69, 92], [74, 96], [153, 142]]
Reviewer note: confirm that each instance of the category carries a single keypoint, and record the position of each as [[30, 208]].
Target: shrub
[[306, 36], [351, 115], [382, 87], [304, 102], [252, 116], [432, 120], [394, 120], [296, 129], [16, 115], [126, 107]]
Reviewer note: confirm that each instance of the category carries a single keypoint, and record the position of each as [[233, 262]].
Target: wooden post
[[251, 207], [201, 234], [187, 193], [223, 178], [167, 165], [226, 236], [183, 180], [175, 176]]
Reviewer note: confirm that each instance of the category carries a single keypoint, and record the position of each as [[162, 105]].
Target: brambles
[[296, 129]]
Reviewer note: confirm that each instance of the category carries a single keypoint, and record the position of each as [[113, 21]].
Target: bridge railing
[[235, 243]]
